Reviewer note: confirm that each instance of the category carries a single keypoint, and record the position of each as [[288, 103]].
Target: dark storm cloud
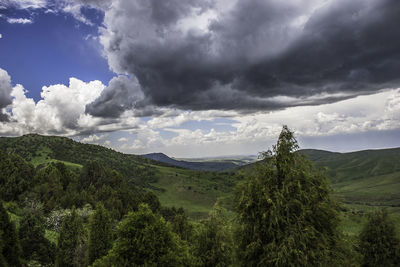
[[253, 54], [352, 46], [121, 94]]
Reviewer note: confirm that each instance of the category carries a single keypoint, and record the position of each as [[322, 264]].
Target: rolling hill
[[344, 167], [370, 177], [195, 191], [212, 166]]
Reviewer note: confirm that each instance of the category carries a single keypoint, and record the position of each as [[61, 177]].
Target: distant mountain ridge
[[198, 166]]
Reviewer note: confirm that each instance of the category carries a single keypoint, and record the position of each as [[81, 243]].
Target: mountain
[[216, 165]]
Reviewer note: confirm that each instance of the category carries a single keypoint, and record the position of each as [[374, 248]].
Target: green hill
[[214, 165], [356, 165], [195, 191], [370, 177]]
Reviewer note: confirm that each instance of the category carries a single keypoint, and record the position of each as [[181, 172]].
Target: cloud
[[123, 139], [94, 139], [60, 111], [121, 94], [5, 92], [25, 4], [250, 133], [19, 21], [1, 36], [311, 52], [72, 7], [75, 10]]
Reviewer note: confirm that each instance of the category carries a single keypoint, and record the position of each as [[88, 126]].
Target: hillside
[[356, 165], [39, 150], [369, 177], [193, 190], [217, 165]]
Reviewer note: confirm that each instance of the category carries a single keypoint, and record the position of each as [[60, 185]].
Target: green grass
[[356, 215], [196, 192], [375, 190]]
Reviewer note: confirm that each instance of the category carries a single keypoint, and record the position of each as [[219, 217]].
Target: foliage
[[100, 234], [379, 243], [213, 242], [179, 222], [32, 238], [11, 250], [285, 210], [145, 239], [33, 146], [15, 176], [70, 241]]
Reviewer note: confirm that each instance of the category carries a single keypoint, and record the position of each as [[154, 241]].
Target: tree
[[213, 241], [32, 238], [100, 234], [11, 249], [15, 176], [145, 239], [379, 243], [69, 241], [286, 214]]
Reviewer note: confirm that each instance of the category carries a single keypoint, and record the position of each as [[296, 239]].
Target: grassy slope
[[356, 165], [364, 181]]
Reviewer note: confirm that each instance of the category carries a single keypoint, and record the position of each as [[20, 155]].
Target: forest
[[60, 208]]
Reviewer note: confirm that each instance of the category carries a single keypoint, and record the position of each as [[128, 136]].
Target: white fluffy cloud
[[61, 109], [94, 139]]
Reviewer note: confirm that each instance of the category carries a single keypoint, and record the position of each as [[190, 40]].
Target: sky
[[201, 78]]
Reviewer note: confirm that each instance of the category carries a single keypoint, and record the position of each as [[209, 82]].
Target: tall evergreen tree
[[379, 243], [285, 210], [69, 241], [100, 234], [32, 238], [11, 249]]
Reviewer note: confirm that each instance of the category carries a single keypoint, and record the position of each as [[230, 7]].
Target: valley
[[360, 180]]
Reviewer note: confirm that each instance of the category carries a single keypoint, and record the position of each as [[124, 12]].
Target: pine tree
[[32, 238], [70, 240], [285, 210], [100, 234], [145, 239], [379, 243], [11, 249]]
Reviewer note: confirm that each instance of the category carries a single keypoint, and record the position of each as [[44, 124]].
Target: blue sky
[[193, 79], [51, 49]]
